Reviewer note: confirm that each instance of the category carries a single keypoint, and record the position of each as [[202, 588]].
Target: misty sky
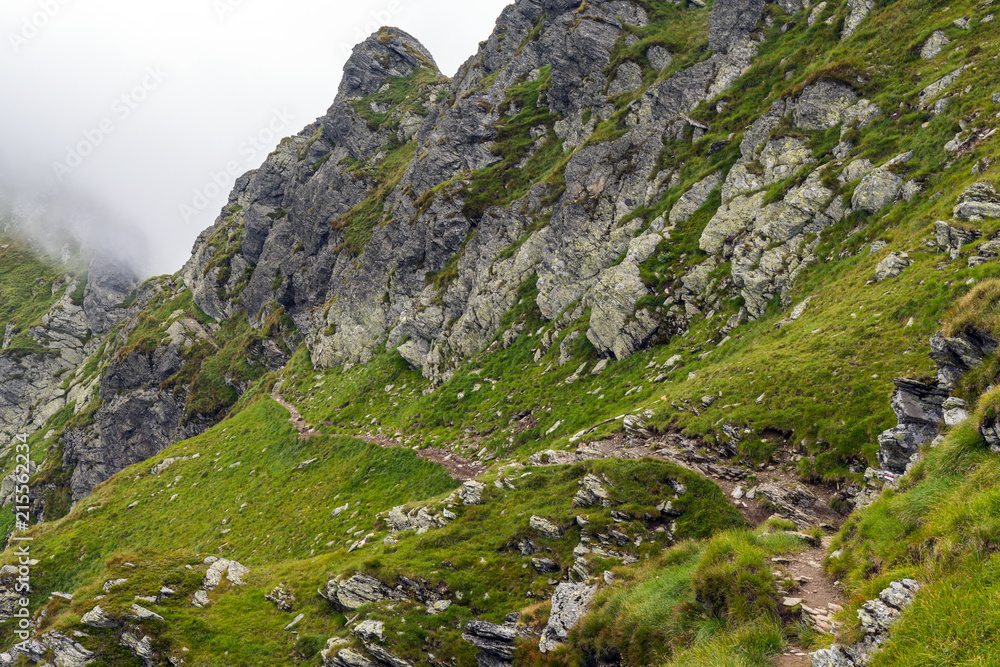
[[139, 107]]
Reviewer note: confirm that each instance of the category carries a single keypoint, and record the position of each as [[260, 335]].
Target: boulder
[[950, 238], [591, 493], [980, 200], [932, 47], [96, 618], [822, 104], [370, 631], [496, 643], [877, 190], [794, 502], [471, 493], [570, 603], [545, 565], [546, 528], [357, 591], [892, 266]]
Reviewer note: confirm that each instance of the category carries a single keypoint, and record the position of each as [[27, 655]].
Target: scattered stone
[[438, 607], [111, 583], [282, 598], [295, 621], [137, 613], [344, 658]]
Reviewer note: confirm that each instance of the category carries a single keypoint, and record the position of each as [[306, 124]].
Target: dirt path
[[813, 592], [458, 468]]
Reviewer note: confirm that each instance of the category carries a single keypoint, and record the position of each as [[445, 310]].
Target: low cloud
[[124, 115]]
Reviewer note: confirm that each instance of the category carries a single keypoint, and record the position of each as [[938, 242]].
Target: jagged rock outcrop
[[496, 643], [570, 603], [919, 408], [352, 292], [357, 591], [980, 200], [955, 355], [877, 618], [65, 651]]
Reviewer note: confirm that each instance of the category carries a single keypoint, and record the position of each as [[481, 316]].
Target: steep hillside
[[585, 356]]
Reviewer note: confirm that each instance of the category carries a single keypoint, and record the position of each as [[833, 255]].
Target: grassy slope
[[285, 533]]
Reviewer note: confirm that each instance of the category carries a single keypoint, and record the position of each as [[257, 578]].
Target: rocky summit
[[663, 333]]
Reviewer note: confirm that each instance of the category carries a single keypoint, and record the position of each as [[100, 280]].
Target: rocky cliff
[[543, 157]]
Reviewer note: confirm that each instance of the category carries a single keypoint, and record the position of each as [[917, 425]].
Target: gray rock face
[[955, 355], [109, 283], [980, 200], [732, 22], [877, 618], [496, 643], [694, 198], [934, 44], [919, 409], [546, 528], [570, 603], [357, 591], [349, 302], [858, 10], [822, 105]]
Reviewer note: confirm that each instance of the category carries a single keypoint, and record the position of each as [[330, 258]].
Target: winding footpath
[[818, 597], [458, 468]]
